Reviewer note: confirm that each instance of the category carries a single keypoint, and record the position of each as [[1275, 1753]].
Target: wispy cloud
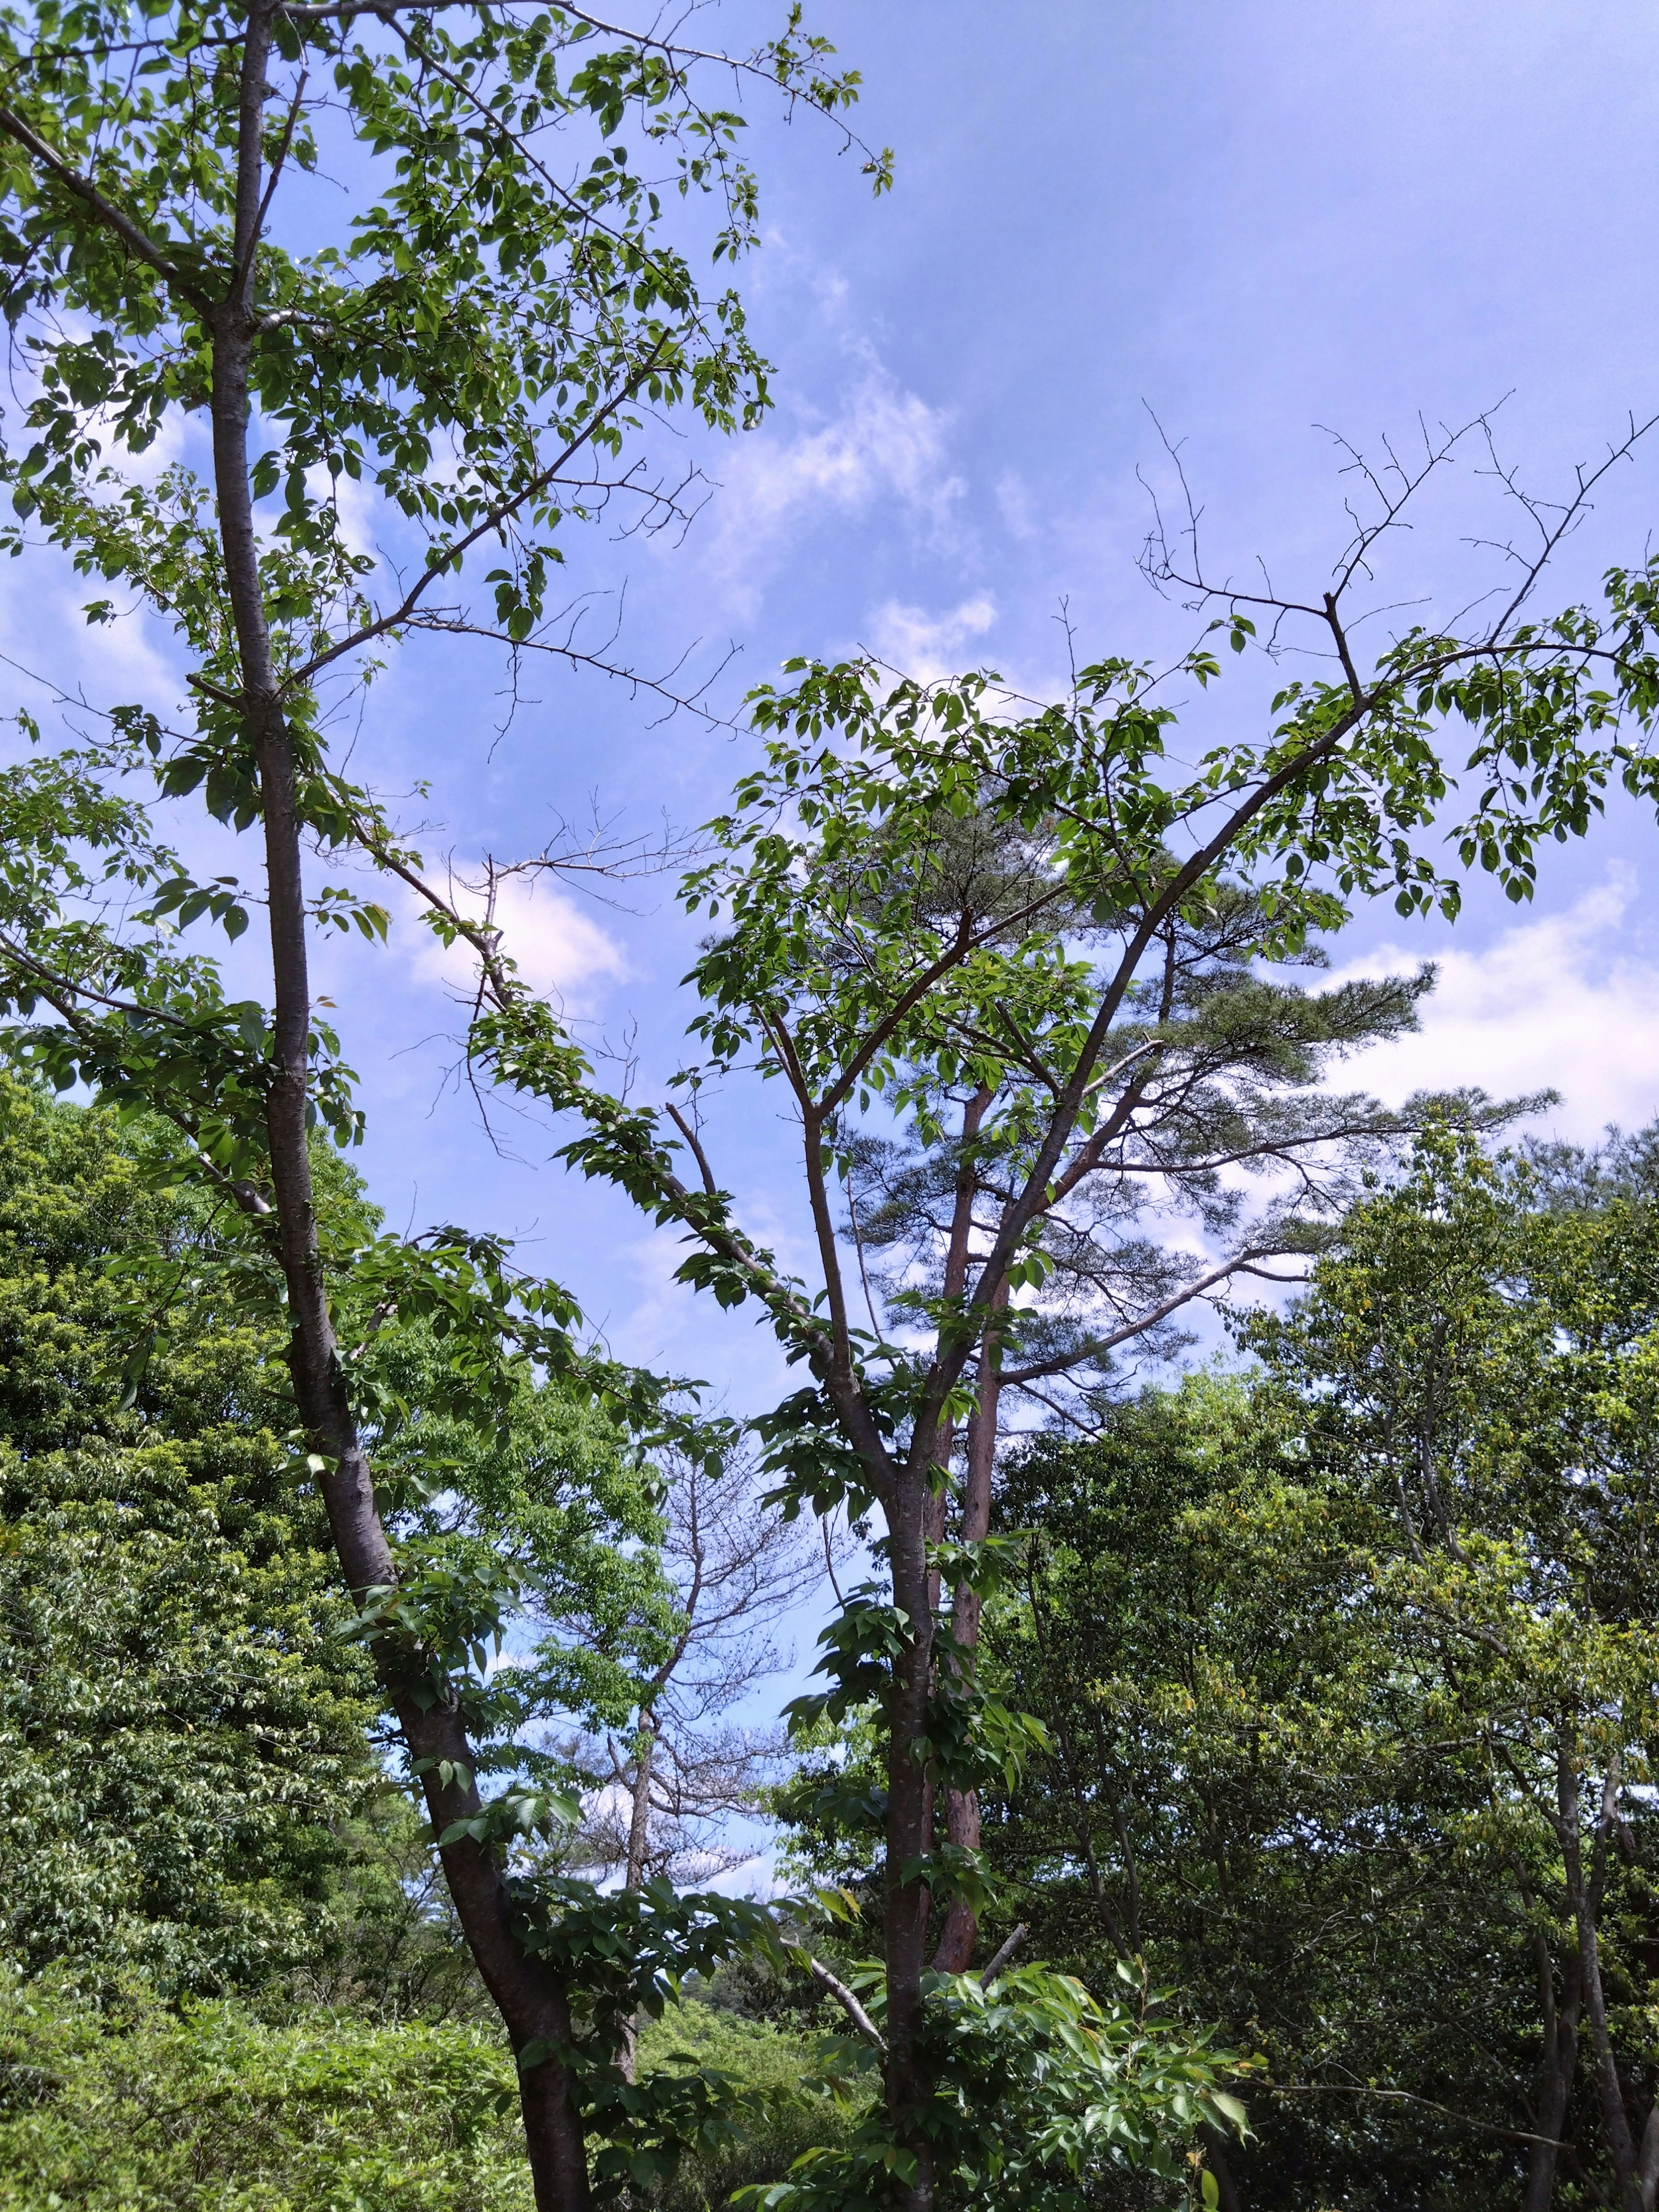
[[44, 631], [1554, 1004], [563, 952], [928, 646], [886, 445]]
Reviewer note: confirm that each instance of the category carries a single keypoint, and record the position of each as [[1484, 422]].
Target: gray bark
[[1558, 2067]]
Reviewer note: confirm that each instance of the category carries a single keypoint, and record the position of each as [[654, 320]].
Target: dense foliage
[[145, 2108], [1348, 1666], [189, 1780], [193, 1800], [1344, 1659], [183, 1741]]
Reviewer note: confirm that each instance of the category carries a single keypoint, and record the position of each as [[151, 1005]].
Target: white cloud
[[929, 645], [563, 952], [885, 444], [755, 1879], [1015, 502], [361, 510], [44, 629], [1554, 1003]]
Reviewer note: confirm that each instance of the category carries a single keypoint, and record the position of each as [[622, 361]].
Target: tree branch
[[1405, 2097], [848, 2003], [1001, 1955], [502, 512], [136, 241], [695, 1144]]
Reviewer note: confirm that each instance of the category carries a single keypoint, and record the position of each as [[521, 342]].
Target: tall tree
[[1229, 1067], [476, 346], [845, 968], [147, 214]]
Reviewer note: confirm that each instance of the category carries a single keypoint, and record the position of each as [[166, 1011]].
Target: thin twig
[[503, 511], [1405, 2097]]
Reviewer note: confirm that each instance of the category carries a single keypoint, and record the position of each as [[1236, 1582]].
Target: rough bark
[[952, 1283], [915, 1518], [639, 1836]]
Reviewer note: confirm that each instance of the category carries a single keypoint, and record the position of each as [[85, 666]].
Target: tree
[[182, 1752], [478, 346], [666, 1791], [1242, 1792], [834, 973], [188, 1782], [1485, 1366], [842, 968], [736, 1570], [1340, 1664], [1226, 1062]]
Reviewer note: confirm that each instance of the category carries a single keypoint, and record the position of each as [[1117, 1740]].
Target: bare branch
[[695, 1144], [1002, 1954], [1405, 2097], [275, 178], [845, 1998]]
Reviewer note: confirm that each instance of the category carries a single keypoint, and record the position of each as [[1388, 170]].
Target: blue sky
[[1249, 219]]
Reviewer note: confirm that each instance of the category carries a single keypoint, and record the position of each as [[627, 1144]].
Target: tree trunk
[[1215, 2150], [639, 1821], [1647, 2174], [960, 1932], [910, 1829], [1558, 2066], [533, 2004], [1584, 1900], [639, 1837]]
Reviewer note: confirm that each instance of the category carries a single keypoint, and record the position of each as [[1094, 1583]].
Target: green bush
[[771, 2059], [205, 2108], [136, 2108]]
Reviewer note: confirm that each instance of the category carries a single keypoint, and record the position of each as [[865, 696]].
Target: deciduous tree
[[842, 966], [1346, 1663], [478, 345]]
